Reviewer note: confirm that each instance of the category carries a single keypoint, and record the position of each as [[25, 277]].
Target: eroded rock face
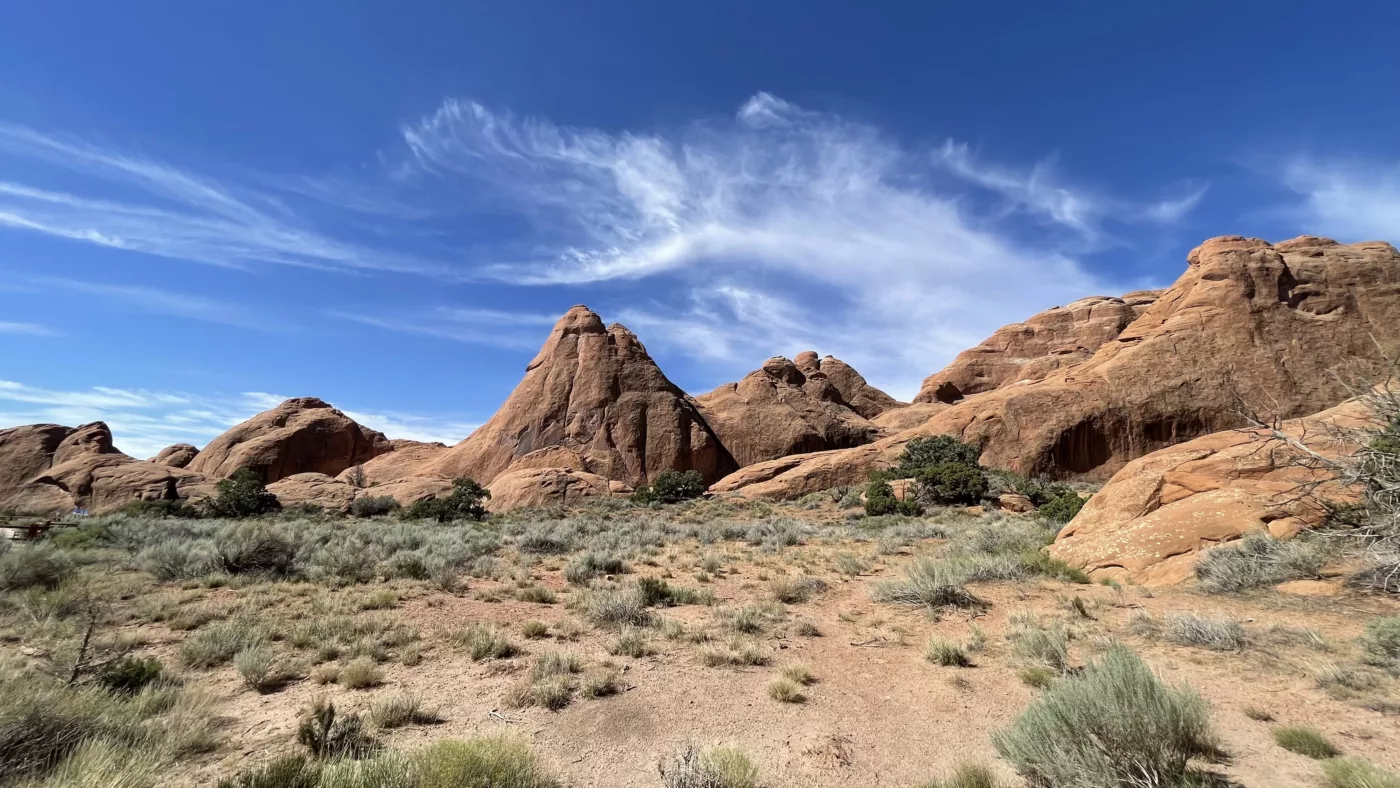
[[1247, 320], [177, 455], [533, 487], [779, 409], [407, 458], [303, 435], [595, 392], [51, 469], [858, 395], [318, 489], [1023, 352], [1151, 521]]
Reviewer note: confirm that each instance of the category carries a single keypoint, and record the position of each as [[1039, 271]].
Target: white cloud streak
[[781, 229], [172, 213], [1351, 200], [28, 329], [490, 327], [157, 301]]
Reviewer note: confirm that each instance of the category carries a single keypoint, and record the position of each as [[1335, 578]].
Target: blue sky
[[205, 207]]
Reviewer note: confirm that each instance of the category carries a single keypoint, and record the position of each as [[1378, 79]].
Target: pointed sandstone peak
[[594, 393], [302, 435]]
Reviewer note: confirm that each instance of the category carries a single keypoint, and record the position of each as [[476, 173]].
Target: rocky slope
[[1248, 322], [780, 409], [594, 401], [177, 455], [1154, 517]]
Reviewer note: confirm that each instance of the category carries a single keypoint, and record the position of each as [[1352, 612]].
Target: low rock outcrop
[[177, 455], [1151, 521], [49, 469], [532, 487], [779, 409], [1026, 352], [303, 435], [405, 459], [595, 393], [316, 489]]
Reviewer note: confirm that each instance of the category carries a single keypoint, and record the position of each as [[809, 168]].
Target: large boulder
[[1022, 352], [303, 435], [593, 392], [316, 489], [1248, 325], [778, 410], [407, 458], [858, 395], [176, 455], [519, 488], [1151, 521], [50, 469]]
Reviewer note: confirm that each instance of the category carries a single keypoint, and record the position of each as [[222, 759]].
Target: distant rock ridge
[[1248, 320]]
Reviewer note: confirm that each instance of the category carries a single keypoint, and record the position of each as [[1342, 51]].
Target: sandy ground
[[879, 714]]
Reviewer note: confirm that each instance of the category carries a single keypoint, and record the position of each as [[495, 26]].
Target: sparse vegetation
[[967, 775], [242, 495], [463, 503], [1259, 560], [373, 505], [711, 767], [1114, 724], [1305, 741], [1217, 634], [671, 486], [946, 653], [786, 691], [1356, 773]]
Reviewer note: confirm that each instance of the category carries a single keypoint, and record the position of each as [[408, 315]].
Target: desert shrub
[[534, 630], [952, 483], [1258, 560], [374, 505], [292, 771], [177, 560], [1356, 773], [556, 663], [361, 673], [617, 607], [129, 675], [480, 763], [923, 453], [591, 565], [1037, 676], [38, 565], [345, 561], [1381, 642], [880, 500], [328, 734], [1062, 508], [1305, 741], [712, 767], [946, 653], [463, 503], [483, 642], [255, 666], [789, 590], [601, 684], [631, 642], [932, 584], [1216, 634], [786, 690], [798, 674], [242, 495], [217, 643], [254, 548], [401, 709], [967, 775], [1034, 645], [671, 486], [1114, 724]]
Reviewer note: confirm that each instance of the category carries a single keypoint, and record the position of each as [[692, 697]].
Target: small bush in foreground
[[1216, 634], [480, 763], [932, 584], [255, 666], [129, 675], [968, 775], [946, 653], [1381, 642], [37, 565], [1305, 741], [400, 710], [361, 673], [786, 691], [798, 674], [217, 643], [952, 483], [712, 767], [1114, 724], [1062, 508], [1258, 560], [483, 642], [329, 734], [1356, 773]]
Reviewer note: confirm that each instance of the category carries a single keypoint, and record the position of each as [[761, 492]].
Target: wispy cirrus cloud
[[1351, 199], [28, 329], [143, 421], [159, 301], [776, 227], [173, 213], [476, 326]]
